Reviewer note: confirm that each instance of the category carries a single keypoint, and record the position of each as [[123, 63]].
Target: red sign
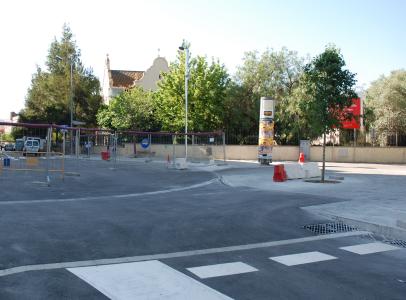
[[355, 111]]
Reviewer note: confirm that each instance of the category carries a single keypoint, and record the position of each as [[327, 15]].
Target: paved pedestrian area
[[144, 231], [370, 196]]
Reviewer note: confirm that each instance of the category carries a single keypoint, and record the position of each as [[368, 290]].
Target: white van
[[31, 146]]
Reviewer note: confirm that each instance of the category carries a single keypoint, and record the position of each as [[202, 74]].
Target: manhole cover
[[327, 228], [399, 243]]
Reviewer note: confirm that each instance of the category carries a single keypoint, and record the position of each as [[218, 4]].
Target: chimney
[[107, 62]]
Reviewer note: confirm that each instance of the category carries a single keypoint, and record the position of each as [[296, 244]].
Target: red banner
[[355, 111]]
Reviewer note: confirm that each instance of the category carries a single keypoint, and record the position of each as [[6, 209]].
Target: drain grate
[[327, 228], [399, 243]]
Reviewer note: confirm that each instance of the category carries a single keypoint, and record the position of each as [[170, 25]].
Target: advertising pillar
[[266, 130]]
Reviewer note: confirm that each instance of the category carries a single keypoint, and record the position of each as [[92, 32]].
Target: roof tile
[[125, 79]]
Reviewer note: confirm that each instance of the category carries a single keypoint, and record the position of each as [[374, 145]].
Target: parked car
[[19, 145], [9, 147]]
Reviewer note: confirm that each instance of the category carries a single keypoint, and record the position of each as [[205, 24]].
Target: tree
[[206, 95], [326, 88], [48, 98], [386, 98], [133, 109], [274, 74]]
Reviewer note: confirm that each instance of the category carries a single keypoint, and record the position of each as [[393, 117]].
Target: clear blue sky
[[371, 34]]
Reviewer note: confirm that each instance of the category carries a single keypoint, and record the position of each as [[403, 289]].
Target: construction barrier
[[50, 165], [299, 170]]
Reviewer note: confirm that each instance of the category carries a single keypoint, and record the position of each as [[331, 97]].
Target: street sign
[[145, 143]]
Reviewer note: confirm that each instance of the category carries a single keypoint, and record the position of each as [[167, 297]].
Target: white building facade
[[117, 81]]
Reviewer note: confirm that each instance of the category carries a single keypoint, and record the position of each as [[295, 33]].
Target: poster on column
[[266, 130]]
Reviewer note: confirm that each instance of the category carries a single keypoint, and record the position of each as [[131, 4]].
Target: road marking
[[369, 248], [111, 197], [145, 280], [222, 270], [302, 258], [119, 260]]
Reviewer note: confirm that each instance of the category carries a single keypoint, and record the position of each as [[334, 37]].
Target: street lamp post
[[185, 47], [70, 88], [70, 98], [71, 93]]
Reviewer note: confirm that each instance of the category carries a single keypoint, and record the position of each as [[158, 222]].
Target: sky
[[370, 34]]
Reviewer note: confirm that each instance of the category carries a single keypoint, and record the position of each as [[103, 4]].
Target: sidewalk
[[371, 196]]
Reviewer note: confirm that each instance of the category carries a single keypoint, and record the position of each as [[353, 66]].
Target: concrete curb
[[378, 229], [401, 224]]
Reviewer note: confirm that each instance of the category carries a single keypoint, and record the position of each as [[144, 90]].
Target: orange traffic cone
[[301, 158]]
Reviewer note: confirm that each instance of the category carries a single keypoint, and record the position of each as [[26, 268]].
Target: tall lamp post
[[70, 89], [185, 47], [70, 97]]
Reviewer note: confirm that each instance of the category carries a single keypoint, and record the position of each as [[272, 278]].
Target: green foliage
[[133, 109], [274, 74], [48, 98], [207, 88], [386, 101], [325, 90], [7, 137]]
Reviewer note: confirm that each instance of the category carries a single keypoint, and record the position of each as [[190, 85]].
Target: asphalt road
[[148, 218]]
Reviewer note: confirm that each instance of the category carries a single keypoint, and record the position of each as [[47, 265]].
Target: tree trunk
[[324, 158]]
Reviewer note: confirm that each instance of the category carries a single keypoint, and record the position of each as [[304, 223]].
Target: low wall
[[280, 153], [394, 155], [163, 150], [235, 152]]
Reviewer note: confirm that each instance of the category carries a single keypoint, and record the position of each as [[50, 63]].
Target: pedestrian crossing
[[369, 248], [222, 270], [302, 258], [156, 280], [150, 280]]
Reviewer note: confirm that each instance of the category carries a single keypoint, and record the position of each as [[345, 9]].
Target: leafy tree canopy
[[274, 74], [208, 83], [133, 109], [325, 89], [48, 98], [386, 99]]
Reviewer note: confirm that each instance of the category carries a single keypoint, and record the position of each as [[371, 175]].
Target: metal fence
[[56, 143], [31, 153], [344, 137]]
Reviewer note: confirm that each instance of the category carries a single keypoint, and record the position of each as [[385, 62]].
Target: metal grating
[[399, 243], [328, 228]]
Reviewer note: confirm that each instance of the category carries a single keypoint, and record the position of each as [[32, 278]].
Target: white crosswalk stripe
[[369, 248], [302, 258], [150, 280], [155, 280], [222, 270]]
